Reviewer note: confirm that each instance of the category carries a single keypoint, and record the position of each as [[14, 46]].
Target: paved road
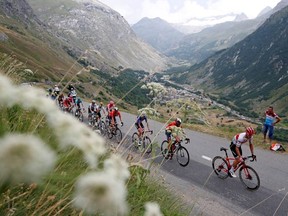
[[199, 179], [269, 199]]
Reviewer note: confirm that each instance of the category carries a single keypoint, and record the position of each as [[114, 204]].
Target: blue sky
[[177, 11]]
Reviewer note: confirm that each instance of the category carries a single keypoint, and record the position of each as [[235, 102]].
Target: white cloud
[[180, 10]]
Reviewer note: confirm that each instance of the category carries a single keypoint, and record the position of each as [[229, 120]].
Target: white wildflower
[[28, 71], [156, 89], [118, 167], [71, 132], [24, 158], [149, 111], [101, 193], [35, 98], [8, 94], [152, 209]]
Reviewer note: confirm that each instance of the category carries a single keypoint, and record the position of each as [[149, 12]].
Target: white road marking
[[206, 158]]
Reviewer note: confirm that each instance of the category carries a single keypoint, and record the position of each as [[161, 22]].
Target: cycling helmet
[[111, 102], [116, 108], [250, 131], [93, 101], [101, 103], [178, 120], [143, 114]]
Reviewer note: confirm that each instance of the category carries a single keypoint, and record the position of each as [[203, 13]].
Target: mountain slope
[[100, 32], [254, 72], [197, 47], [26, 40], [157, 32]]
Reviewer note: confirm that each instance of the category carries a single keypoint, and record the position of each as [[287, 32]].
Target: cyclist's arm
[[147, 126], [120, 117], [251, 148]]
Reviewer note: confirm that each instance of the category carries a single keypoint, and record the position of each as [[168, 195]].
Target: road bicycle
[[248, 176], [182, 154], [143, 144], [79, 114], [114, 131], [97, 124]]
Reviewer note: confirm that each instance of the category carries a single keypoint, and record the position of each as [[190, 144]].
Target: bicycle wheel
[[80, 117], [164, 149], [249, 177], [135, 140], [147, 144], [102, 128], [109, 132], [220, 167], [182, 156], [118, 135]]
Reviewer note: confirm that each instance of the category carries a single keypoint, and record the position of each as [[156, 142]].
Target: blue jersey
[[140, 119]]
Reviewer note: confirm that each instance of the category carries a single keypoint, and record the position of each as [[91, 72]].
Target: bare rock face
[[19, 10], [102, 33]]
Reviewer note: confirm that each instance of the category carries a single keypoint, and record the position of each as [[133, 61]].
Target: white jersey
[[241, 138]]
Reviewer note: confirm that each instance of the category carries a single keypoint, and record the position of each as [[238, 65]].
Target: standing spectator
[[271, 119]]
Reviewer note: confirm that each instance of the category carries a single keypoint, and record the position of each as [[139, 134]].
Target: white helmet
[[178, 120], [116, 108], [143, 114]]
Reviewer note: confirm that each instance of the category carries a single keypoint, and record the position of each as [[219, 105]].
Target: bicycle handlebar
[[253, 158]]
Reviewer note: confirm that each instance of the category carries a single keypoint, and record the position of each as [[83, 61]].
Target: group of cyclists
[[71, 101], [171, 130]]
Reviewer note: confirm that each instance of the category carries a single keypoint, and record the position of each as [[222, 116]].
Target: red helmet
[[250, 131]]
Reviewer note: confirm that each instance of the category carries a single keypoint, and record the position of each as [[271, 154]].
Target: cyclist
[[56, 90], [174, 129], [60, 100], [68, 104], [139, 125], [79, 105], [236, 149], [110, 106], [99, 109], [91, 109], [73, 93], [112, 116]]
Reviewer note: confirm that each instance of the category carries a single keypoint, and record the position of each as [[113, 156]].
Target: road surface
[[199, 180]]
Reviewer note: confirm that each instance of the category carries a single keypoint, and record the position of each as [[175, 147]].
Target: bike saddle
[[223, 149]]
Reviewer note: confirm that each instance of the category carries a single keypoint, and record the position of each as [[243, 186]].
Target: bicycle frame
[[229, 159]]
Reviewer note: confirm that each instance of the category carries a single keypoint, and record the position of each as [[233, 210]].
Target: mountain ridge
[[253, 72]]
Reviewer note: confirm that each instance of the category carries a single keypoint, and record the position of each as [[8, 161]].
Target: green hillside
[[253, 73]]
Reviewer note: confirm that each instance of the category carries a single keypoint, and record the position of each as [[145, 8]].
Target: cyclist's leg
[[168, 135], [237, 158], [141, 131]]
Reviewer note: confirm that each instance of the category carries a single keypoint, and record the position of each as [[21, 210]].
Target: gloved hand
[[122, 123]]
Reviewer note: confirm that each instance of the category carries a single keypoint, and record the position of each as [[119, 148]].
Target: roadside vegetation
[[57, 191]]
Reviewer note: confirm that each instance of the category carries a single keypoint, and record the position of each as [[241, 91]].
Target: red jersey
[[114, 113], [67, 102], [109, 107]]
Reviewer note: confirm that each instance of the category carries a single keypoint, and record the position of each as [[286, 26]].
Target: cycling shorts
[[137, 125], [233, 150]]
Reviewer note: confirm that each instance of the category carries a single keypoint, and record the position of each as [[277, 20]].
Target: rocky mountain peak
[[240, 17]]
